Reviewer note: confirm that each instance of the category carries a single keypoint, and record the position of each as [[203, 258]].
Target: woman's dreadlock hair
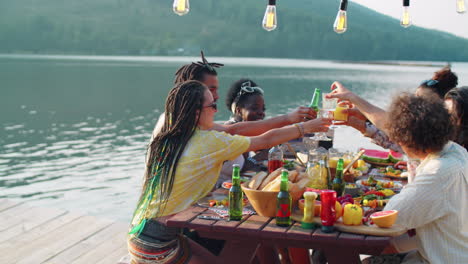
[[182, 112], [196, 70]]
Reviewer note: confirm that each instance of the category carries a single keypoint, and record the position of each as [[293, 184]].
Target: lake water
[[73, 129]]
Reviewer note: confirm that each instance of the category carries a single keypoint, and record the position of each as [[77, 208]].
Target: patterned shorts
[[158, 244]]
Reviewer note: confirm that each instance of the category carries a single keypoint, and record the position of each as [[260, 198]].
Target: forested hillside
[[220, 27]]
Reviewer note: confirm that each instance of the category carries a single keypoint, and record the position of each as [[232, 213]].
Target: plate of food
[[217, 201], [227, 184], [391, 172], [371, 183]]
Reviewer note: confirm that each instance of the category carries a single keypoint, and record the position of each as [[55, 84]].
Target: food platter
[[376, 172], [373, 230], [396, 185]]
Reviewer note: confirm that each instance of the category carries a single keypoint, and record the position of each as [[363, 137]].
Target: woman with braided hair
[[183, 164]]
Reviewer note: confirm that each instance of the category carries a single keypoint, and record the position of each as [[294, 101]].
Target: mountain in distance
[[219, 27]]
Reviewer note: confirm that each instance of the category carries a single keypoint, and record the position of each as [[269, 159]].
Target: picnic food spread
[[322, 194]]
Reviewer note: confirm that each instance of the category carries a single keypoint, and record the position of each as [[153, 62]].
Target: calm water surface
[[73, 130]]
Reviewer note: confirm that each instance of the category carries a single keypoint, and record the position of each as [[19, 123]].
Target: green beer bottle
[[338, 184], [283, 202], [235, 195], [314, 103]]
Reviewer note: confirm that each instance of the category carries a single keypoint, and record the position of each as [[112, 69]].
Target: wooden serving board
[[372, 230]]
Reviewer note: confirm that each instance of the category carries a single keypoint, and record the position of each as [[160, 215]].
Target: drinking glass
[[330, 105], [322, 136]]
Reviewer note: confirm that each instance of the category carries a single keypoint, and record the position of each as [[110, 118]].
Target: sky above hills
[[432, 14]]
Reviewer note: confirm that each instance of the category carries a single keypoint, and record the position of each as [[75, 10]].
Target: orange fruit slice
[[384, 219]]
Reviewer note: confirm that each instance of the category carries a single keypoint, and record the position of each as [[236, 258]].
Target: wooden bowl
[[263, 202]]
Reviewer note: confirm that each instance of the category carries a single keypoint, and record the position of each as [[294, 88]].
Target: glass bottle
[[338, 184], [283, 202], [275, 158], [235, 195]]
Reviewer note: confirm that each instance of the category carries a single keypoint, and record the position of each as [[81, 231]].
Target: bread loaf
[[270, 178], [273, 186], [257, 180]]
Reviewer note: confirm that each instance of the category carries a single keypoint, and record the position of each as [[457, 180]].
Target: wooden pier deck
[[43, 235]]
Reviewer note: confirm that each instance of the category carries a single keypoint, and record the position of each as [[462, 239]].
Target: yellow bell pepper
[[352, 214]]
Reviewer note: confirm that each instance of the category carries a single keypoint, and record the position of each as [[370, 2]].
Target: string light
[[405, 17], [181, 7], [341, 23], [461, 8], [269, 19]]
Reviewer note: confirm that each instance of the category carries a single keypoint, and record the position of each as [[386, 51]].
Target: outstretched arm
[[255, 128], [280, 135], [375, 114]]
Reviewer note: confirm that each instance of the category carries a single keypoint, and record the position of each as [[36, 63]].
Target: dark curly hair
[[459, 97], [421, 123], [446, 80], [233, 92]]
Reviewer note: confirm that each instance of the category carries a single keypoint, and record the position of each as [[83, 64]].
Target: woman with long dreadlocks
[[205, 72], [182, 166]]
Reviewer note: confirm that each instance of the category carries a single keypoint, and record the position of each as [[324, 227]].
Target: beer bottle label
[[284, 211]]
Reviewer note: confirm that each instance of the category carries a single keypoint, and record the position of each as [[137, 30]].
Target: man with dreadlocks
[[183, 164], [205, 72]]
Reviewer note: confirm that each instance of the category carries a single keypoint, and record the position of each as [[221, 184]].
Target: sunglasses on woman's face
[[213, 105]]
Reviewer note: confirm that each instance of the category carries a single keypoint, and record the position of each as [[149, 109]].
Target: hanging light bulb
[[341, 23], [181, 7], [461, 8], [269, 19], [405, 18]]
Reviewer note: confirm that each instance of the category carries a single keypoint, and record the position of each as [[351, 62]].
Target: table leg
[[236, 251]]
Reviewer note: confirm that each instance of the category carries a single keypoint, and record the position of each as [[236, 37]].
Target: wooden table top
[[265, 230]]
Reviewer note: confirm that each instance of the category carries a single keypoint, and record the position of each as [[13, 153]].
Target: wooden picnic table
[[243, 237]]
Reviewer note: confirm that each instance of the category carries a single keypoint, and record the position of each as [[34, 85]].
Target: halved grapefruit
[[384, 218]]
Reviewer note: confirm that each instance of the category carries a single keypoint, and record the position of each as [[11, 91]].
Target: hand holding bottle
[[300, 114]]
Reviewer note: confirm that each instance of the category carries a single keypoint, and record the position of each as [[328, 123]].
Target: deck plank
[[56, 241], [38, 232], [30, 220], [5, 204], [91, 243], [105, 249], [115, 256], [13, 215]]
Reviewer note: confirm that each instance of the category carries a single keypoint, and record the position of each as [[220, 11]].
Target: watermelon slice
[[394, 156], [380, 156]]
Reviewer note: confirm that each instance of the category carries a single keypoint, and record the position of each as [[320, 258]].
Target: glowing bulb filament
[[181, 7], [269, 20], [461, 8], [405, 18], [340, 24]]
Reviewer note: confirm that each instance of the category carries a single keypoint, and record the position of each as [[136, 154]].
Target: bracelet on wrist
[[300, 127]]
